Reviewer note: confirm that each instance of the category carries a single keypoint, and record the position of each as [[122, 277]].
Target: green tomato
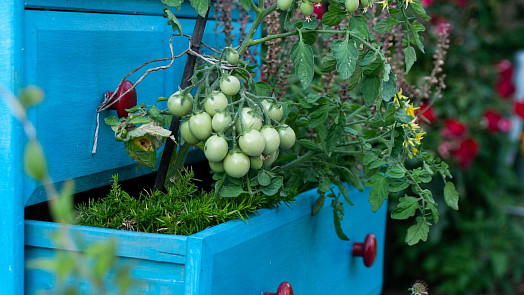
[[284, 4], [232, 57], [255, 162], [352, 5], [200, 125], [180, 105], [249, 120], [215, 148], [271, 138], [306, 8], [287, 137], [271, 159], [230, 85], [274, 111], [221, 121], [187, 135], [252, 143], [366, 3], [216, 102], [35, 164], [216, 166], [236, 164]]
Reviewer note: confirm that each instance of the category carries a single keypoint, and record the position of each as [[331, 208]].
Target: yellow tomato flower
[[419, 136], [384, 3], [410, 110], [407, 2]]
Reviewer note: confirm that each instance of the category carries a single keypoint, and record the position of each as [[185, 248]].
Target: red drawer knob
[[367, 250], [283, 289]]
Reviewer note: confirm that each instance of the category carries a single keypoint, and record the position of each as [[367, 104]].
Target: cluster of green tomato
[[307, 6], [254, 146]]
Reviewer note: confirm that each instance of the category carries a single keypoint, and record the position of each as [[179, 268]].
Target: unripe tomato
[[215, 148], [275, 112], [232, 57], [366, 3], [187, 135], [230, 85], [271, 138], [216, 166], [306, 8], [249, 120], [221, 121], [35, 164], [284, 4], [236, 164], [287, 137], [216, 102], [352, 5], [180, 105], [200, 125], [269, 161], [252, 143], [255, 162]]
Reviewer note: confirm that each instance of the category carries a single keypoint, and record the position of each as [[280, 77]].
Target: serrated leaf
[[355, 78], [139, 120], [333, 16], [329, 64], [263, 178], [370, 89], [319, 116], [338, 215], [303, 61], [173, 20], [311, 24], [419, 9], [309, 37], [396, 171], [324, 184], [262, 89], [246, 4], [274, 186], [368, 58], [417, 232], [173, 3], [406, 208], [231, 191], [410, 56], [201, 6], [359, 26], [308, 144], [379, 191], [397, 185], [137, 153], [344, 191], [389, 88], [151, 129], [319, 203], [385, 25], [111, 121], [346, 54], [451, 195]]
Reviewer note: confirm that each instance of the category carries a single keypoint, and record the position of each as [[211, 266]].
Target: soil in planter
[[189, 207]]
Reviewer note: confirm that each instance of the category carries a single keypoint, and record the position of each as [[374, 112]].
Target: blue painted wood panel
[[284, 244], [11, 180]]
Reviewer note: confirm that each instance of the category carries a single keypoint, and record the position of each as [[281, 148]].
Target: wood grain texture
[[11, 136], [284, 244]]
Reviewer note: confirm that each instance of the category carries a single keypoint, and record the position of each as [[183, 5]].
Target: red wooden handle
[[283, 289], [367, 250]]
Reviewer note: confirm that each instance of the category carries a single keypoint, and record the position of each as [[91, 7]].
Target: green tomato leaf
[[319, 203], [262, 89], [263, 178], [419, 10], [173, 3], [385, 25], [201, 6], [379, 190], [111, 121], [406, 208], [342, 188], [137, 153], [370, 89], [346, 54], [417, 232], [396, 171], [274, 186], [246, 4], [451, 195], [231, 191], [334, 16], [358, 26], [304, 63], [338, 215], [410, 57], [329, 64], [172, 20], [389, 88]]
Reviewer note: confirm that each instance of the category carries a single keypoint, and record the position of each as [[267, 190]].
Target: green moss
[[183, 210]]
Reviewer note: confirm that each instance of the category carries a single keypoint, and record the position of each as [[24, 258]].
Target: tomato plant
[[330, 102]]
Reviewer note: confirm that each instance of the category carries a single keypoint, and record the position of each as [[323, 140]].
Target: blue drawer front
[[76, 57], [286, 244]]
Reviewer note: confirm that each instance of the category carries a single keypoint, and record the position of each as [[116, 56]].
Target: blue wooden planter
[[285, 244]]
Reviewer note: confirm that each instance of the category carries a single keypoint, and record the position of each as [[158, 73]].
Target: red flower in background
[[453, 128], [426, 113], [426, 3], [466, 153], [440, 23], [495, 122], [319, 10], [504, 85], [518, 107]]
